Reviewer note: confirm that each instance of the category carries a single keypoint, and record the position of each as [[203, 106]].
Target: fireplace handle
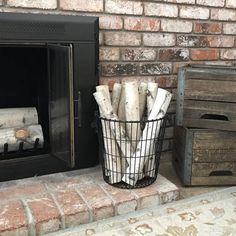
[[79, 109]]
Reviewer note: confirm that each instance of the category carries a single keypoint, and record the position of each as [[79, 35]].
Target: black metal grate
[[21, 152]]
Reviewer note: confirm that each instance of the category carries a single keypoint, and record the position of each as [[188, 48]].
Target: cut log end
[[22, 133]]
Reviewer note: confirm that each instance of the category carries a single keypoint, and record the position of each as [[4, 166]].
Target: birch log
[[150, 133], [117, 130], [116, 127], [142, 98], [105, 90], [116, 92], [132, 111], [14, 136], [152, 88], [18, 117], [112, 159], [121, 108]]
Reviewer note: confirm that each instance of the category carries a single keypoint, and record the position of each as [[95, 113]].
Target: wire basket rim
[[131, 121]]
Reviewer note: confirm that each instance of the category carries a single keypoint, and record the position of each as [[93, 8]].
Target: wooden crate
[[206, 97], [205, 157]]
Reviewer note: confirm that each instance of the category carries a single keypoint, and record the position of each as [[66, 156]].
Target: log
[[14, 136], [116, 92], [112, 159], [151, 162], [117, 130], [132, 111], [105, 90], [146, 143], [152, 88], [142, 98], [121, 108], [18, 117]]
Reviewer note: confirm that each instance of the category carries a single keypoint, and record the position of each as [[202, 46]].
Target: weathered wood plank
[[183, 153], [222, 73], [210, 124], [214, 155], [213, 180], [197, 109], [213, 115], [210, 90], [214, 139], [206, 169]]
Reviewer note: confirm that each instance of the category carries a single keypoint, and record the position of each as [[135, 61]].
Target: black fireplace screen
[[50, 62], [41, 76]]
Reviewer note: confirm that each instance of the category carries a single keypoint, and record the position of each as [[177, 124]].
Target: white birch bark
[[142, 98], [132, 111], [116, 92], [150, 133], [117, 129], [14, 136], [152, 88], [18, 117], [112, 158], [105, 90], [121, 108]]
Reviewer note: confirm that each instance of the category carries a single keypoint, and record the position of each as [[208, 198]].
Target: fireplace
[[50, 62]]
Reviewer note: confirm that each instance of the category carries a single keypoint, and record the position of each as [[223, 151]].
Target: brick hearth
[[49, 203]]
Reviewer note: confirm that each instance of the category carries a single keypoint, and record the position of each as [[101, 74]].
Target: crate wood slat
[[215, 169], [206, 97], [182, 154], [203, 154], [215, 139], [211, 72], [213, 180], [211, 155], [210, 90], [203, 114]]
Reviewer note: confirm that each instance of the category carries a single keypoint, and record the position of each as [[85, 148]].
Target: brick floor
[[41, 205], [13, 220]]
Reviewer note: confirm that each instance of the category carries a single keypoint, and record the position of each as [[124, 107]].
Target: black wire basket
[[130, 151]]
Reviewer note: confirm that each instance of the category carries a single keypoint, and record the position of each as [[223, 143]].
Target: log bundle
[[130, 148], [19, 128]]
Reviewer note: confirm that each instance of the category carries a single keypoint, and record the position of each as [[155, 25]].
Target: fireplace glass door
[[61, 103], [40, 76]]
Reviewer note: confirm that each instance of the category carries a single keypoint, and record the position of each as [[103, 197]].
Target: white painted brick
[[51, 4], [194, 12], [159, 39], [213, 3], [109, 54], [229, 28], [138, 54], [181, 1], [159, 9], [123, 7], [141, 24], [221, 41], [176, 26], [223, 14], [110, 22], [82, 5], [228, 54], [122, 38], [231, 3]]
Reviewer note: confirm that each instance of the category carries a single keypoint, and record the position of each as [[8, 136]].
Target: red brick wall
[[152, 38]]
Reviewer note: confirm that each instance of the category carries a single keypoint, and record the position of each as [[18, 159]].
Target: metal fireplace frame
[[77, 37]]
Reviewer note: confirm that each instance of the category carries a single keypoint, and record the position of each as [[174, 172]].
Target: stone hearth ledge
[[40, 205]]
